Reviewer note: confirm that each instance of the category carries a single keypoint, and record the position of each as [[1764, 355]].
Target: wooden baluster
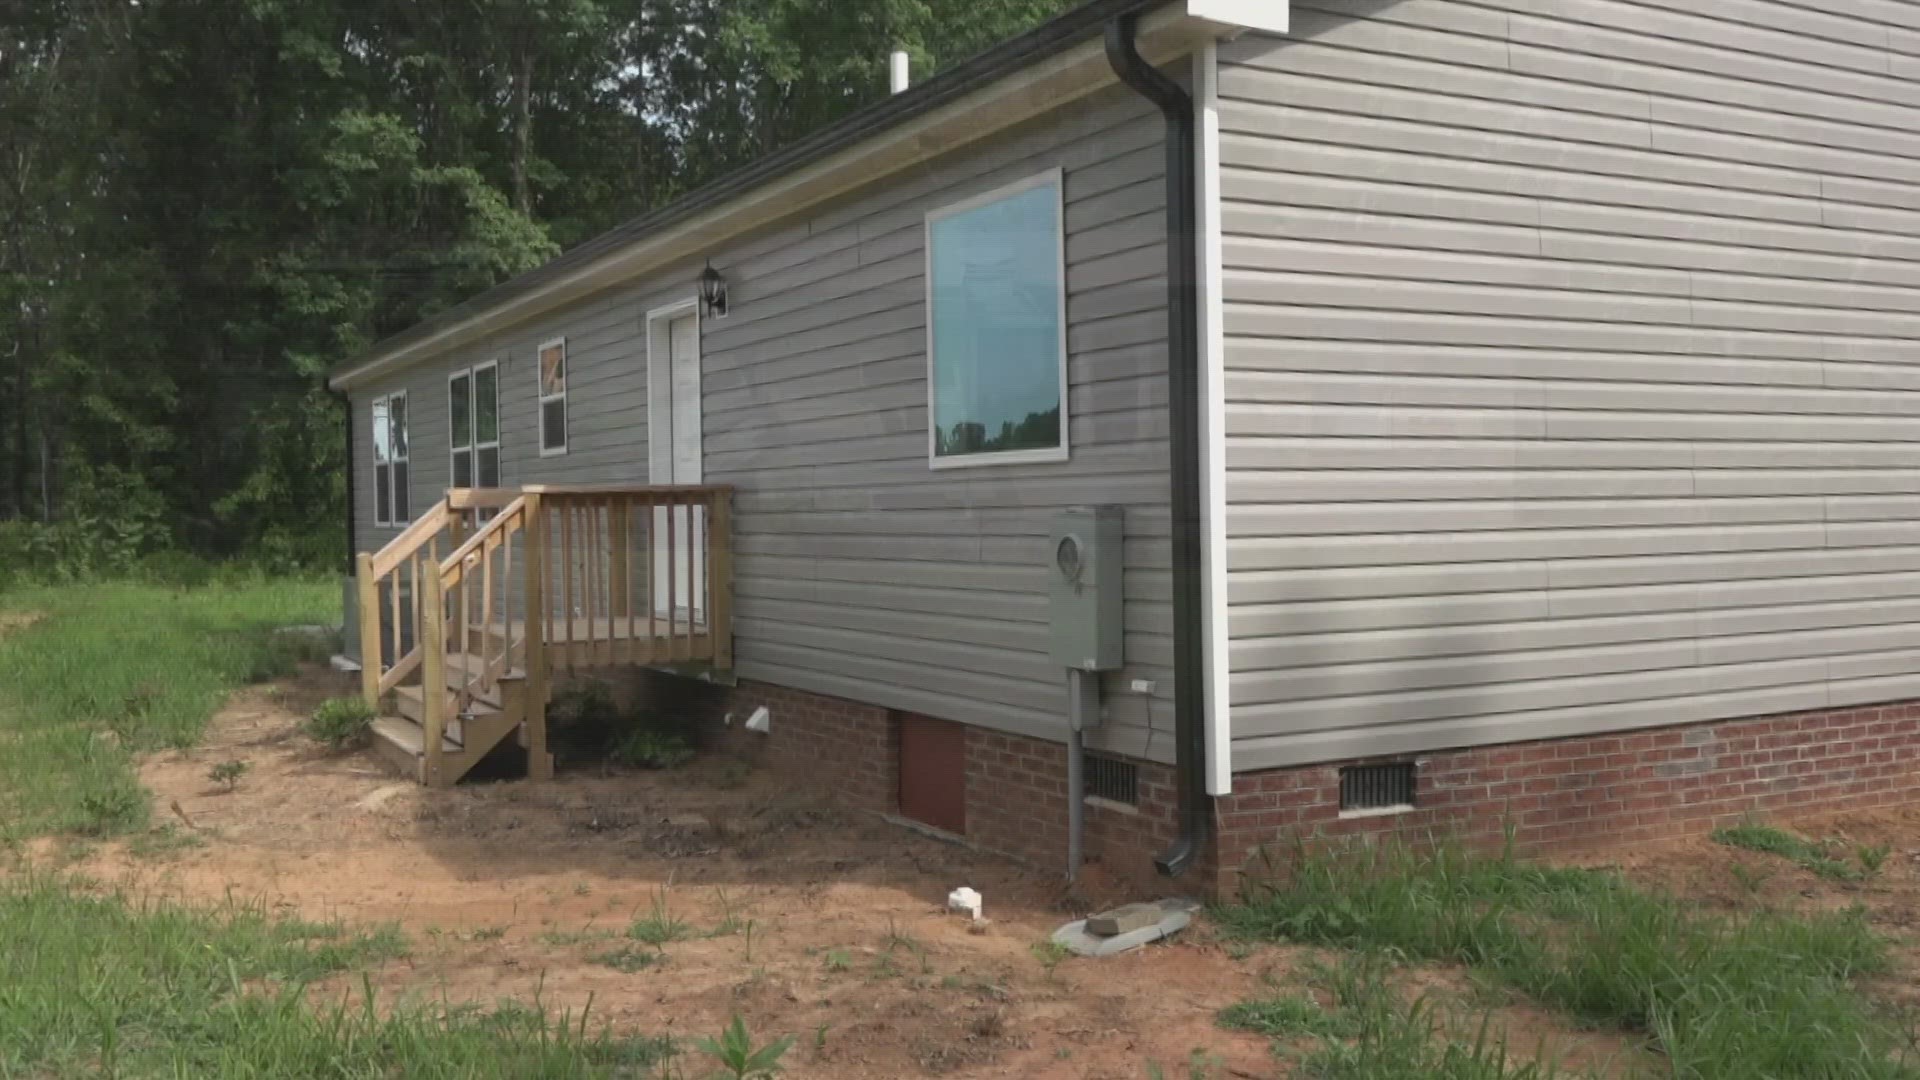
[[393, 606], [539, 762], [566, 569], [433, 685], [506, 606], [369, 590], [619, 588], [486, 600], [720, 579], [626, 561], [590, 550]]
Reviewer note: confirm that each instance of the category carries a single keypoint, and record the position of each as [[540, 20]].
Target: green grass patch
[[1288, 1016], [101, 985], [116, 668], [1764, 994], [1811, 855]]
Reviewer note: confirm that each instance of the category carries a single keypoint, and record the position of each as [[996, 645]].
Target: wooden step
[[413, 707], [401, 743]]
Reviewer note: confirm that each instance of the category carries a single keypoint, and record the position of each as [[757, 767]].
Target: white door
[[679, 582]]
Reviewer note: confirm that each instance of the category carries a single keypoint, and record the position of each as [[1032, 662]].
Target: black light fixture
[[713, 293]]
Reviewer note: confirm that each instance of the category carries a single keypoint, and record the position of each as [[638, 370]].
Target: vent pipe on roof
[[900, 70]]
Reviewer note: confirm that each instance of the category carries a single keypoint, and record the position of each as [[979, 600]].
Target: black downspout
[[353, 562], [1183, 429]]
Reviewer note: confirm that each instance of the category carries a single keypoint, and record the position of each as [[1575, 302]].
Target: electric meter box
[[1083, 585]]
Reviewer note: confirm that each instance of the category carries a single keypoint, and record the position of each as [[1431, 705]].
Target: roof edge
[[1013, 82]]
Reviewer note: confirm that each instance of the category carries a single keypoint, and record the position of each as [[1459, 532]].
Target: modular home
[[1197, 423]]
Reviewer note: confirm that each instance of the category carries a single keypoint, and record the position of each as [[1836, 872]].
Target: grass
[[105, 985], [1734, 997], [113, 669], [1811, 855], [659, 926]]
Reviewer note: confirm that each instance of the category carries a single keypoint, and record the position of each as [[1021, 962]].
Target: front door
[[679, 581]]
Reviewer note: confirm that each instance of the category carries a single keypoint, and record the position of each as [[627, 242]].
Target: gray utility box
[[1083, 583]]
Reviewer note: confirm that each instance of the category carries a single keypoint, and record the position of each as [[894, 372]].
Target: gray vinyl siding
[[1571, 368], [860, 571]]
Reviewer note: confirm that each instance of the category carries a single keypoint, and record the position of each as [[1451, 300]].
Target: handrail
[[451, 564], [480, 498], [411, 539]]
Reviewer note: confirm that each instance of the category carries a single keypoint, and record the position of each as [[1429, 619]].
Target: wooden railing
[[637, 575], [606, 575]]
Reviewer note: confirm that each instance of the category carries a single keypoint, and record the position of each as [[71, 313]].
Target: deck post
[[457, 535], [433, 675], [370, 651], [619, 585], [538, 686], [720, 578]]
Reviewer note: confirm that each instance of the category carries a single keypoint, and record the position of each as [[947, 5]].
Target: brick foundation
[[1555, 795], [1567, 794]]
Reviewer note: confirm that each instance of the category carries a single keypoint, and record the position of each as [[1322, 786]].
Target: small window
[[553, 397], [996, 327], [390, 460], [1365, 788], [473, 406]]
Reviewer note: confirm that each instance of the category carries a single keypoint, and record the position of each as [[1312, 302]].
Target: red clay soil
[[510, 889]]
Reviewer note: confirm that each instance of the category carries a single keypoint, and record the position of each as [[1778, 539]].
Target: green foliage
[[644, 748], [104, 985], [659, 925], [1807, 854], [738, 1058], [1287, 1017], [228, 773], [628, 959], [112, 669], [341, 722], [1764, 994]]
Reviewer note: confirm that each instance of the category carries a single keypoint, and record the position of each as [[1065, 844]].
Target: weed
[[1760, 995], [162, 841], [341, 722], [897, 940], [1289, 1017], [820, 1037], [566, 938], [644, 748], [838, 960], [738, 1058], [1750, 879], [228, 773], [1873, 857], [628, 959], [486, 933], [728, 924], [747, 931], [659, 926], [1050, 954], [1806, 854]]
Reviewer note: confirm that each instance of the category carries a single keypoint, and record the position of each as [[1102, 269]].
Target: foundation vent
[[1113, 779], [1376, 787]]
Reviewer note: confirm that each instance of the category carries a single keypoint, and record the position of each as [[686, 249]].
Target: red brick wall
[[1556, 795], [1570, 793]]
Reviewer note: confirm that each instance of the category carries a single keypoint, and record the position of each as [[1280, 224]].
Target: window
[[997, 327], [390, 460], [553, 397], [473, 404]]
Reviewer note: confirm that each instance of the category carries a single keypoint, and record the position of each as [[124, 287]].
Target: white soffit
[[1268, 15]]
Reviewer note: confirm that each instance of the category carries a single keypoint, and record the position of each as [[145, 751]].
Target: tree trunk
[[522, 130]]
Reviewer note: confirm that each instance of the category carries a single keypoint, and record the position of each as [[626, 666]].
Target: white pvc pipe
[[900, 70]]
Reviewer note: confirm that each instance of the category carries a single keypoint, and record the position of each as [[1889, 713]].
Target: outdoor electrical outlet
[[1144, 686]]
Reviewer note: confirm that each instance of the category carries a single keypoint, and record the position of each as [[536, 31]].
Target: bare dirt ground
[[512, 890]]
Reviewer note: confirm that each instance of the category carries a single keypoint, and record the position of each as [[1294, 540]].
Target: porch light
[[713, 293]]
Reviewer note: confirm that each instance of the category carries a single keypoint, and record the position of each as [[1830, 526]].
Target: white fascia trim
[[1213, 424], [1271, 16], [1041, 88]]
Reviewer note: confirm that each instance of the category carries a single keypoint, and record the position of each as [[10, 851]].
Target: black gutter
[[1183, 435], [1046, 40]]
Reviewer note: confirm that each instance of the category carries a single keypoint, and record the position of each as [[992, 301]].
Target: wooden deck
[[583, 642], [464, 673]]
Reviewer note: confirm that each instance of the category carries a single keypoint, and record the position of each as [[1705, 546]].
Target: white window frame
[[539, 390], [1056, 179], [383, 515], [474, 443]]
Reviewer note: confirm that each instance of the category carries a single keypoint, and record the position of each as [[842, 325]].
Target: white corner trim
[[1269, 15], [1213, 424]]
